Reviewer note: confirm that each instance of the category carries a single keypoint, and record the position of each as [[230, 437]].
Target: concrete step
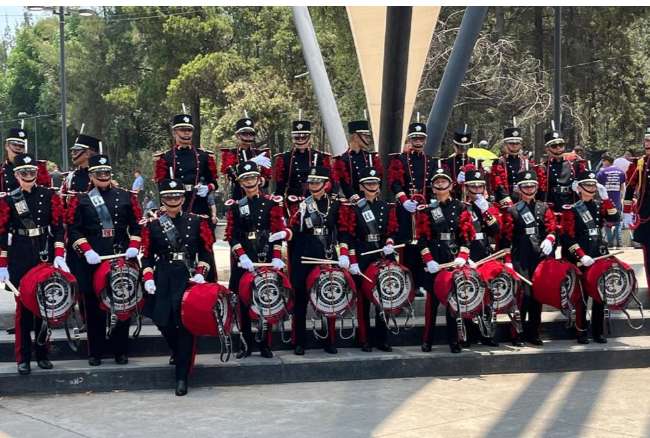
[[350, 364], [151, 343]]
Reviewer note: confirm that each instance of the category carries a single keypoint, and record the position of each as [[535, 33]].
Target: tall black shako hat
[[99, 162], [359, 127], [247, 168], [244, 125], [171, 187], [17, 135], [318, 174], [182, 121], [527, 177], [84, 141], [24, 161], [301, 127]]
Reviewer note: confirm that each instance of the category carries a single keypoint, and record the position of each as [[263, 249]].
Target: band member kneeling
[[171, 245]]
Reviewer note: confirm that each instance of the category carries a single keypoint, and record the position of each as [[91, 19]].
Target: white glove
[[4, 275], [586, 261], [344, 262], [131, 253], [388, 249], [59, 263], [354, 269], [432, 267], [472, 264], [92, 257], [277, 264], [150, 287], [574, 186], [354, 198], [198, 278], [628, 219], [546, 247], [246, 263], [509, 265], [459, 262], [410, 205], [262, 160], [602, 191], [482, 203], [280, 235], [202, 190], [461, 177]]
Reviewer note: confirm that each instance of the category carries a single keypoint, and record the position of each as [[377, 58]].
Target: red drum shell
[[444, 284], [100, 286], [246, 284], [593, 274], [341, 304], [29, 286], [197, 309], [369, 288], [547, 282], [490, 271]]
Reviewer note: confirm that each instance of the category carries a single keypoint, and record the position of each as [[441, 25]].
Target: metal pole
[[36, 137], [453, 76], [316, 66], [64, 130], [557, 75]]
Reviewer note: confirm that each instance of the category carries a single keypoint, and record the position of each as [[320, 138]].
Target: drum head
[[56, 297], [122, 293], [503, 288], [330, 293], [468, 293], [615, 286], [269, 295], [393, 288]]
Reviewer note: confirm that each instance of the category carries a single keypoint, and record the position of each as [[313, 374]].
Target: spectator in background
[[579, 152], [138, 182], [56, 175], [613, 178]]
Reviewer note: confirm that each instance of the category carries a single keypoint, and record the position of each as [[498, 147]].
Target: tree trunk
[[539, 54], [196, 115], [499, 27]]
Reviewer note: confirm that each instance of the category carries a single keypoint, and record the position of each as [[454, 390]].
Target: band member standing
[[456, 162], [371, 224], [555, 174], [529, 227], [409, 173], [244, 151], [255, 228], [196, 167], [443, 239], [360, 154], [176, 248], [78, 180], [582, 241], [104, 221], [314, 233], [16, 143], [33, 215], [504, 171]]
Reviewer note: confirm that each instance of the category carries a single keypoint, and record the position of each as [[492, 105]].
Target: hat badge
[[463, 139], [477, 175], [373, 172], [439, 171], [173, 184], [102, 160], [556, 135], [592, 175], [248, 122], [21, 134], [313, 171], [418, 128], [299, 126], [186, 119], [515, 133], [528, 175], [247, 167], [27, 160]]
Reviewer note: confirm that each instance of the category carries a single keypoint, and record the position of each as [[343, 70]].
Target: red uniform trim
[[278, 169], [466, 226], [396, 172], [212, 167], [160, 169], [206, 235]]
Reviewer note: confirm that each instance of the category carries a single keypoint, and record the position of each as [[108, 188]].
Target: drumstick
[[319, 262], [447, 265], [12, 288], [258, 265], [496, 255], [375, 251], [110, 257], [615, 253], [369, 280], [522, 278], [314, 258]]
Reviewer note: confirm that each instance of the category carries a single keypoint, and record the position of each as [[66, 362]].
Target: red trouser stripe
[[361, 320], [17, 327], [428, 317], [331, 330]]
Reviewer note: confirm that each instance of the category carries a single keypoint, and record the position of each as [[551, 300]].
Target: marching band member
[[255, 229], [504, 171], [246, 150], [176, 248], [78, 180], [443, 239], [103, 221], [369, 224], [16, 143], [314, 232], [582, 241], [528, 227], [456, 162], [360, 154], [194, 166], [33, 215], [409, 173]]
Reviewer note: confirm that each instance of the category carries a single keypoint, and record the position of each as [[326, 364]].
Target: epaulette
[[224, 149], [278, 154], [395, 154], [567, 206], [262, 149], [158, 154], [324, 153], [229, 202], [275, 198], [207, 151]]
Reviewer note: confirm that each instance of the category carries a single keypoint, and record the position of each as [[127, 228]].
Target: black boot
[[329, 348], [45, 364], [24, 368], [426, 347], [455, 348], [121, 359], [172, 360], [489, 342], [384, 346], [181, 387], [600, 339], [94, 361], [265, 351], [583, 338], [299, 350]]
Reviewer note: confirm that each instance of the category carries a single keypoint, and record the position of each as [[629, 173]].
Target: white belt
[[445, 236], [188, 187], [479, 236], [530, 231]]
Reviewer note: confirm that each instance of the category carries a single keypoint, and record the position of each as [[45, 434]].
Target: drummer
[[370, 224], [443, 239], [104, 221], [33, 215], [314, 228], [169, 257], [582, 241]]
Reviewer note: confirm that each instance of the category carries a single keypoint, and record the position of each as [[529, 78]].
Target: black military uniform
[[526, 225], [441, 240], [555, 176], [369, 225], [409, 174], [191, 165], [232, 157], [504, 171], [582, 235], [315, 234], [34, 219], [103, 222], [17, 141], [456, 162], [348, 166], [173, 248], [250, 222]]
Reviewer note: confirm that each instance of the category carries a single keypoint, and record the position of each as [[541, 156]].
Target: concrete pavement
[[575, 404]]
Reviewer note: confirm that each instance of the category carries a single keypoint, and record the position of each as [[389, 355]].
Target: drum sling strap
[[257, 239], [104, 215], [174, 238], [27, 222], [369, 220], [316, 220], [442, 226], [530, 220]]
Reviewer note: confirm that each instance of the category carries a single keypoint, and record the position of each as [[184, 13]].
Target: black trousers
[[181, 343], [597, 317], [96, 324], [531, 314], [26, 322], [299, 321], [430, 313]]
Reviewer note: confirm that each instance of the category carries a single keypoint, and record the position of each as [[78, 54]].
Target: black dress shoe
[[466, 344], [517, 342], [11, 331], [181, 388], [489, 342], [329, 348], [384, 346], [600, 339], [536, 341], [583, 339], [44, 364], [366, 347], [242, 354], [299, 350], [265, 351], [426, 347], [94, 361], [121, 359], [172, 360], [24, 368], [455, 348]]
